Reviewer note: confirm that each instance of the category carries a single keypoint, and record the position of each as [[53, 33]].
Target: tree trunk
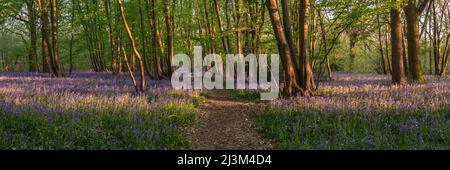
[[436, 40], [291, 85], [287, 25], [144, 43], [380, 43], [157, 47], [398, 75], [307, 82], [72, 20], [445, 56], [32, 56], [239, 46], [45, 30], [169, 26], [228, 18], [133, 45], [56, 66], [353, 39], [412, 20], [219, 20], [112, 45], [130, 71]]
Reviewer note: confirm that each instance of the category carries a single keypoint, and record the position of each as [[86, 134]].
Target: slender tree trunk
[[239, 46], [32, 56], [130, 71], [405, 56], [45, 30], [219, 20], [112, 45], [380, 43], [72, 27], [228, 25], [436, 40], [56, 66], [313, 32], [118, 61], [170, 29], [133, 44], [353, 39], [144, 43], [388, 53], [445, 56], [209, 28], [157, 48]]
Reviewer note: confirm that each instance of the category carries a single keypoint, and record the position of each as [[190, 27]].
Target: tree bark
[[221, 29], [398, 75], [380, 43], [112, 45], [45, 31], [56, 66], [412, 20], [239, 46], [291, 85], [436, 40], [169, 27], [287, 25], [307, 82], [445, 56], [157, 47], [32, 56], [353, 36], [133, 45]]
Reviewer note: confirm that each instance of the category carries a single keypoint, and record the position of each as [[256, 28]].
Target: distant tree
[[170, 34], [32, 56]]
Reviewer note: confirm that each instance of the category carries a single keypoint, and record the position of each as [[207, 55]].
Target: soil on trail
[[226, 124]]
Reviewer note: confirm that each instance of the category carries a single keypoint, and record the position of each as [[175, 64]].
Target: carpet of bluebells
[[363, 112], [92, 111]]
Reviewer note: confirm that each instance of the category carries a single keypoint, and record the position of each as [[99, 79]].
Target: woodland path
[[226, 124]]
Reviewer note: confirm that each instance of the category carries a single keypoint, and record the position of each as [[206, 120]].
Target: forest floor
[[226, 123]]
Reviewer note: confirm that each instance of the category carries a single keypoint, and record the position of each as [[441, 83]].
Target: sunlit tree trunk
[[56, 66], [412, 20], [170, 33], [398, 75], [45, 30], [287, 25], [307, 82], [133, 45], [291, 84]]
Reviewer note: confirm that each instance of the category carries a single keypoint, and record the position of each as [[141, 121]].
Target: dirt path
[[226, 124]]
